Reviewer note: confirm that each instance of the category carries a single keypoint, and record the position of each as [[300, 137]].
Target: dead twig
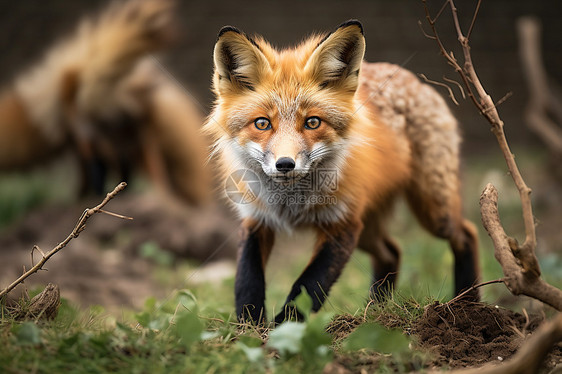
[[519, 269], [468, 290], [457, 84], [80, 226], [520, 265], [451, 94]]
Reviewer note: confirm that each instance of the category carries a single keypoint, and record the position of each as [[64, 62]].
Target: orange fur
[[377, 129], [376, 163], [20, 141]]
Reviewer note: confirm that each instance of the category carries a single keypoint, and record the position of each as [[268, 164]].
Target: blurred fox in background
[[100, 93]]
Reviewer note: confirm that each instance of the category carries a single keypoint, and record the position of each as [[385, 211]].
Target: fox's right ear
[[239, 62]]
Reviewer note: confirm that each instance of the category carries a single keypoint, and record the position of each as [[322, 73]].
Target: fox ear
[[336, 61], [239, 62]]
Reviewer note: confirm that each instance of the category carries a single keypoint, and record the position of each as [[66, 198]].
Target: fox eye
[[312, 123], [262, 124]]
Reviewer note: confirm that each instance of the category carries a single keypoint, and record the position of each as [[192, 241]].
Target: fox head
[[285, 112]]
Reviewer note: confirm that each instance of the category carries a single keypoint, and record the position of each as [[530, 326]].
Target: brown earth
[[463, 334], [103, 266], [456, 335]]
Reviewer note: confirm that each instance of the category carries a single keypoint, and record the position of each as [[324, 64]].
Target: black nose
[[285, 164]]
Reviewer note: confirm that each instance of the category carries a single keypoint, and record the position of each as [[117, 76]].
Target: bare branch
[[116, 215], [439, 13], [486, 106], [503, 99], [451, 94], [457, 84], [424, 33], [520, 267], [468, 290], [473, 20], [80, 225], [450, 57]]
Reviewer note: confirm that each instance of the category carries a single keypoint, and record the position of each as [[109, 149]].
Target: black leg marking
[[250, 281], [319, 276], [466, 262], [383, 285], [466, 274], [385, 274]]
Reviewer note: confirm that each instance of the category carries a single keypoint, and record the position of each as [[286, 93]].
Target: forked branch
[[519, 263], [519, 268], [522, 255], [80, 226]]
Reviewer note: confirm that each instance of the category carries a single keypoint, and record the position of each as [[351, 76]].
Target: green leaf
[[208, 335], [187, 299], [254, 354], [150, 304], [143, 318], [159, 323], [250, 341], [189, 328], [287, 337], [375, 337], [28, 334], [316, 341]]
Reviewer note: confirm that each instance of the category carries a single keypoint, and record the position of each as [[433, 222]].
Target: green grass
[[193, 330]]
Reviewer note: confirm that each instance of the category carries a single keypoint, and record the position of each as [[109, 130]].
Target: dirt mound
[[456, 335], [464, 334]]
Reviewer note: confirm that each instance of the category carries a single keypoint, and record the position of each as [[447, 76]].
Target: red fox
[[101, 94], [333, 141]]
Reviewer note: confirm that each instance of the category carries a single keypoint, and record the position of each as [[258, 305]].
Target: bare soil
[[463, 334], [103, 266], [456, 335]]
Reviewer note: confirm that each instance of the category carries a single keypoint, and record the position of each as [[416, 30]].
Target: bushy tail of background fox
[[99, 92], [80, 74], [174, 129]]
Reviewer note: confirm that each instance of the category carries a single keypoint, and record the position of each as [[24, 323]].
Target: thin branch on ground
[[80, 226], [476, 286]]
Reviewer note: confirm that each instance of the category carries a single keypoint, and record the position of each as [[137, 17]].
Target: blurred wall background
[[27, 29]]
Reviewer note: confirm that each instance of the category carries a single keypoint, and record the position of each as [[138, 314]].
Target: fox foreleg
[[334, 247], [249, 287]]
